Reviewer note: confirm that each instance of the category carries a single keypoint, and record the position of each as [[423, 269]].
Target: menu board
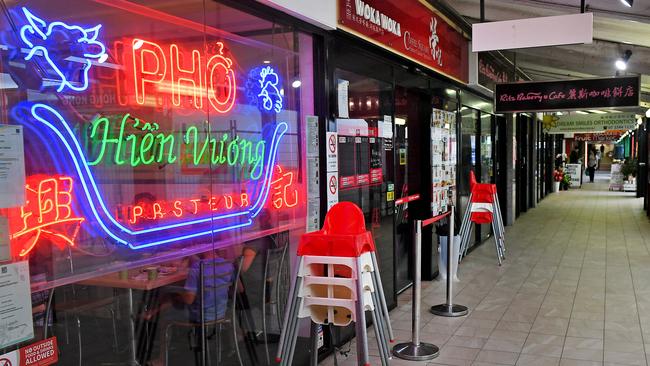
[[616, 178], [443, 159], [574, 171]]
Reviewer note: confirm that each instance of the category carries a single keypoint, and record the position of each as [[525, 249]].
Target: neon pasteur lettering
[[46, 117], [147, 212], [154, 68], [46, 215], [138, 142], [68, 50]]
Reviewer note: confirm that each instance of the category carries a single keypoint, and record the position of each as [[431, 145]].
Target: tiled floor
[[574, 290]]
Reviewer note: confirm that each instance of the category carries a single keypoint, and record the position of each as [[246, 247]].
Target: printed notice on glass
[[5, 250], [15, 304], [12, 166], [312, 136], [342, 93], [313, 214]]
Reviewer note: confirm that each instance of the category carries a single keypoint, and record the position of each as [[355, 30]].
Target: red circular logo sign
[[5, 362]]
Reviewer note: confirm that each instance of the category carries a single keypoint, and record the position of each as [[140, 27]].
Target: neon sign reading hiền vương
[[46, 215], [149, 145], [168, 232]]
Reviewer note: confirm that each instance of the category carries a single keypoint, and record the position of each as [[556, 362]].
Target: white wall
[[321, 13]]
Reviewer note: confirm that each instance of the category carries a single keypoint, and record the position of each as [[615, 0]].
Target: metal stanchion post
[[416, 350], [450, 309]]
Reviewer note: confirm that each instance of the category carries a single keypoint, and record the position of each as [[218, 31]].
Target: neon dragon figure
[[69, 50]]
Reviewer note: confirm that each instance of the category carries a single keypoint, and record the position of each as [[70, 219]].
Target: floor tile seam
[[636, 300], [566, 333], [548, 289]]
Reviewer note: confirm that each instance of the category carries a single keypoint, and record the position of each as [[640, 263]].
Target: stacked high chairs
[[337, 280], [483, 208]]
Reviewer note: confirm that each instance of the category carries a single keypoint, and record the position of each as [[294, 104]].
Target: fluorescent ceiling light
[[614, 111], [597, 111], [581, 112], [628, 3], [400, 121], [558, 113]]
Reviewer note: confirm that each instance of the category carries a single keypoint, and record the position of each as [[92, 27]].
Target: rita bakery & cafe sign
[[410, 28]]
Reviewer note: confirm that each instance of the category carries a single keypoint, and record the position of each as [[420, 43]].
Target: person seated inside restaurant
[[182, 306]]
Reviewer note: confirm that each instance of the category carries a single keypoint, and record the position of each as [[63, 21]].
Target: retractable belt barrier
[[417, 350]]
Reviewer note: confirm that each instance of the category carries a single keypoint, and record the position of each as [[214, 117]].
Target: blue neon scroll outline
[[280, 129], [89, 37]]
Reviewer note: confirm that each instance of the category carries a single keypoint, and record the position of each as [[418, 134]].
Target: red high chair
[[483, 208], [337, 280]]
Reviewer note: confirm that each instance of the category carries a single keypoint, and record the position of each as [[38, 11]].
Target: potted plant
[[558, 175], [628, 169], [566, 182]]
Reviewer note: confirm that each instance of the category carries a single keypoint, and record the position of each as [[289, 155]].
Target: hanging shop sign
[[588, 123], [420, 34], [608, 136], [488, 70], [567, 94], [146, 75]]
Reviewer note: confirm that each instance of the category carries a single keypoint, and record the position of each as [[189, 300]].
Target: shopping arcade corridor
[[574, 290]]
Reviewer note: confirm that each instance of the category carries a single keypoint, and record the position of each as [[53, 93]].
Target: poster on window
[[443, 159]]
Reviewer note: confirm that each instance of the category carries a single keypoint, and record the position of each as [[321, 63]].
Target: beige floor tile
[[543, 345], [497, 357], [535, 360]]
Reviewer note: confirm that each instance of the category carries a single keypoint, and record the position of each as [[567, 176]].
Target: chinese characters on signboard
[[567, 94]]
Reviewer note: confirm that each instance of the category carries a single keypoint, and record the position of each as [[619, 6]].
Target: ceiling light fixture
[[581, 112], [596, 111], [647, 113], [621, 63], [628, 3]]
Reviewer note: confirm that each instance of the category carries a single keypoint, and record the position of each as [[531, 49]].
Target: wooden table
[[113, 280]]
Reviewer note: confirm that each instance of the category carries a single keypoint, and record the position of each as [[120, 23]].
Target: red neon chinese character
[[593, 94], [283, 194], [47, 214], [629, 91]]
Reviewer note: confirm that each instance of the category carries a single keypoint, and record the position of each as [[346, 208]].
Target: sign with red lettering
[[41, 353], [608, 136], [420, 33], [567, 94]]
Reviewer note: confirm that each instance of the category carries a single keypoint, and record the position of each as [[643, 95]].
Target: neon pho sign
[[208, 81]]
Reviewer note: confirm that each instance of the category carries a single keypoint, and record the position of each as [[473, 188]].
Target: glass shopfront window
[[164, 176]]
